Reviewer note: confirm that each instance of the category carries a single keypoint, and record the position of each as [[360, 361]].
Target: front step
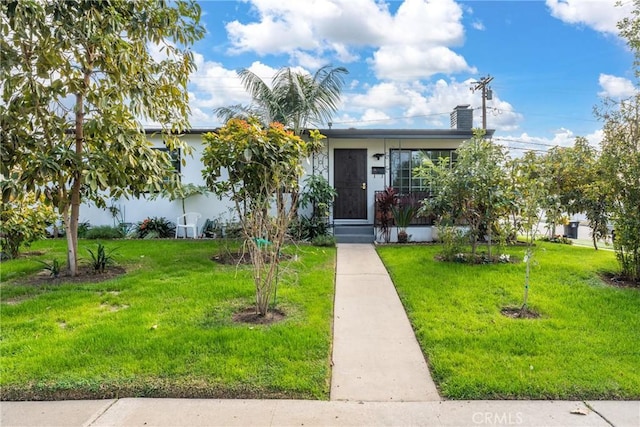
[[354, 233]]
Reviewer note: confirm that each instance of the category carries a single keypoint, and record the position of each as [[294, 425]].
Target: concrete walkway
[[380, 378], [375, 353]]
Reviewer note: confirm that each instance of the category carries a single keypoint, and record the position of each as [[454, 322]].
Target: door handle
[[364, 186]]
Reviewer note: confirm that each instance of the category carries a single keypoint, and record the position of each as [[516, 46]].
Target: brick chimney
[[462, 118]]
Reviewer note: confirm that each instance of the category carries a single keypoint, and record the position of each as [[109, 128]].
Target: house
[[358, 163]]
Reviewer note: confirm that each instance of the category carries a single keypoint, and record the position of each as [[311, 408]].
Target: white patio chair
[[186, 222]]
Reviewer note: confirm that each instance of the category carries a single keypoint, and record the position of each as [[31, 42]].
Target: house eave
[[365, 133], [193, 131], [401, 133]]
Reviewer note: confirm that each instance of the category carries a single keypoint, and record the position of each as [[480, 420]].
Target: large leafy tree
[[557, 180], [472, 192], [620, 159], [293, 98], [260, 164], [569, 177], [78, 78], [586, 192]]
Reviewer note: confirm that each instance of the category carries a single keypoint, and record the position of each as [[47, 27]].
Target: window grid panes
[[404, 161], [174, 156]]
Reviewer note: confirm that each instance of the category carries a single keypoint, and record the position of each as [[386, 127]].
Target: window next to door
[[404, 161]]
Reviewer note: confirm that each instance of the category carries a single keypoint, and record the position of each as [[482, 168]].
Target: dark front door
[[350, 181]]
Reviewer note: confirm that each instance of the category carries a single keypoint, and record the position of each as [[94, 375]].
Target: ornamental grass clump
[[101, 258], [52, 267], [403, 214]]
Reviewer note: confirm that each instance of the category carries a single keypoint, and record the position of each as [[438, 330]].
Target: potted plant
[[403, 214]]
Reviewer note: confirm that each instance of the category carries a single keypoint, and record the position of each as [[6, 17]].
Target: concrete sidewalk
[[380, 378], [210, 412]]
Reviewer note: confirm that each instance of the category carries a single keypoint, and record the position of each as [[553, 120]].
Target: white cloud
[[500, 115], [615, 87], [373, 115], [201, 119], [263, 71], [272, 35], [519, 144], [601, 15], [595, 138], [415, 41], [213, 86], [478, 25], [383, 104], [280, 26], [411, 62], [382, 95], [420, 22], [427, 106], [162, 51], [307, 60], [343, 54], [210, 87]]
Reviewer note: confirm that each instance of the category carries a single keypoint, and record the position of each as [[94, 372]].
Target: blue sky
[[411, 62]]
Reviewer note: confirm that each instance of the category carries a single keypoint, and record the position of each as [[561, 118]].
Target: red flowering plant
[[154, 228]]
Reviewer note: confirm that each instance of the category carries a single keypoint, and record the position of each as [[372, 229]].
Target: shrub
[[454, 242], [23, 220], [233, 230], [557, 239], [103, 232], [152, 228], [319, 194], [308, 228], [83, 228], [324, 241]]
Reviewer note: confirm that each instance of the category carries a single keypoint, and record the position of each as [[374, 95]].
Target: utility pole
[[486, 94]]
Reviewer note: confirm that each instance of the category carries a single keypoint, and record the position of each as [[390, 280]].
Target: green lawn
[[165, 328], [585, 345]]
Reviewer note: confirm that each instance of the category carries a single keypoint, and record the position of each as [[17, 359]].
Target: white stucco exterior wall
[[211, 207], [136, 210]]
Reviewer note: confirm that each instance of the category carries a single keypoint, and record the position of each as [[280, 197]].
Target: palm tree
[[294, 99]]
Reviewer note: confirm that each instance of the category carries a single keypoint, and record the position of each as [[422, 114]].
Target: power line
[[526, 142], [500, 111]]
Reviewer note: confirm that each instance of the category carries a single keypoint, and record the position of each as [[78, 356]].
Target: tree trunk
[[74, 215], [72, 252], [526, 280], [490, 237]]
